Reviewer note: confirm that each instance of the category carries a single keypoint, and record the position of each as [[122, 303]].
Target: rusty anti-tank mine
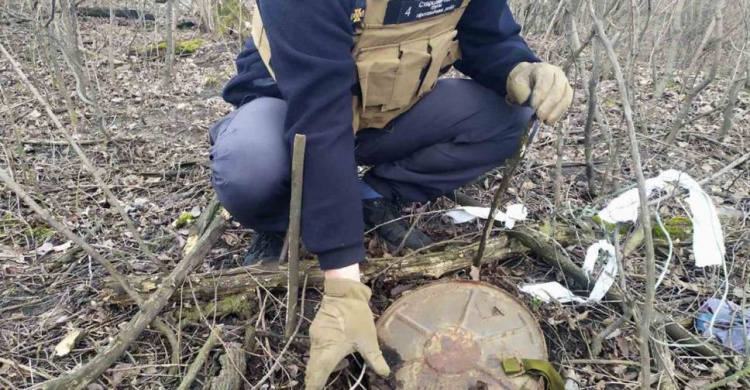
[[454, 335]]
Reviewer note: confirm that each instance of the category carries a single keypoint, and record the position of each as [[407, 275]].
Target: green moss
[[40, 233], [610, 227], [679, 228], [239, 305], [671, 85], [181, 48], [211, 80], [184, 219], [188, 47]]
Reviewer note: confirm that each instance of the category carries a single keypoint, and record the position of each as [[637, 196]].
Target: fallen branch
[[99, 12], [167, 332], [200, 359], [232, 372], [81, 377], [25, 368], [242, 280]]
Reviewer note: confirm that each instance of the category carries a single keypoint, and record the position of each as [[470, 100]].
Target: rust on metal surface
[[454, 335]]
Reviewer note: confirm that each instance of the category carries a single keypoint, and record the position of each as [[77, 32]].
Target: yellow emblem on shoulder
[[357, 15]]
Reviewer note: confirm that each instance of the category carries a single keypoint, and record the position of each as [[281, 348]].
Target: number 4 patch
[[404, 11]]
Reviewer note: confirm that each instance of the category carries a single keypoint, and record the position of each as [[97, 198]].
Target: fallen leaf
[[44, 248], [34, 114], [68, 342], [63, 247], [623, 346]]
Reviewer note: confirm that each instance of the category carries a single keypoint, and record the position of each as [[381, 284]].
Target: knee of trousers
[[250, 192], [250, 173], [495, 118]]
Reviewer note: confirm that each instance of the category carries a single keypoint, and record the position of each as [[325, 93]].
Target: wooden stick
[[295, 216], [500, 192], [196, 365], [25, 368]]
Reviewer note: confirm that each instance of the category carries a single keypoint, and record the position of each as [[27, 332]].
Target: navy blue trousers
[[452, 136]]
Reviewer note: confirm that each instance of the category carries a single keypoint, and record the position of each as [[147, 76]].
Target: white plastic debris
[[609, 271], [708, 238], [551, 291], [514, 213], [557, 292]]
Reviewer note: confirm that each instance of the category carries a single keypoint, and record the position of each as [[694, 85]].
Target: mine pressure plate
[[455, 335]]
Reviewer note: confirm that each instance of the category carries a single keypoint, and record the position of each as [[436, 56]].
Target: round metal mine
[[454, 335]]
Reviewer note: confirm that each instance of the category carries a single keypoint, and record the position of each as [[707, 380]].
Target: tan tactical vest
[[401, 48]]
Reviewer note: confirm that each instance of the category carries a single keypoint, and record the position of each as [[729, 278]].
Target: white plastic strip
[[708, 238], [514, 213]]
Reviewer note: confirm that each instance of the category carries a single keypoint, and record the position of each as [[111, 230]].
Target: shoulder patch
[[404, 11], [358, 14]]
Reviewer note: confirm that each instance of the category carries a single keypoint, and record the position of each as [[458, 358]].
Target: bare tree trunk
[[110, 43], [679, 120], [57, 77], [731, 102], [206, 12], [698, 53], [674, 44], [559, 146], [593, 81], [170, 45], [69, 48], [645, 215]]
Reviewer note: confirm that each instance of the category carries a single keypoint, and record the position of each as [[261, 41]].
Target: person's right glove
[[344, 325], [545, 84]]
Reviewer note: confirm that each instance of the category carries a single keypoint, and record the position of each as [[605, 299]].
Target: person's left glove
[[545, 84], [344, 324]]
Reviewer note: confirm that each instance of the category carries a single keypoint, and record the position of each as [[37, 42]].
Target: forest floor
[[157, 166]]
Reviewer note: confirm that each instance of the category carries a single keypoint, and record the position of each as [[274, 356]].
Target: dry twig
[[645, 215]]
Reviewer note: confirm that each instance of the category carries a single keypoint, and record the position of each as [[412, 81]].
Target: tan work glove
[[547, 85], [344, 324]]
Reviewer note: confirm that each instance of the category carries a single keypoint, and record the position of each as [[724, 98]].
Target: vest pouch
[[454, 54], [440, 46], [414, 59], [376, 69]]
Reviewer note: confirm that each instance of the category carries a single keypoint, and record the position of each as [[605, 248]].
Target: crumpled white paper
[[708, 238], [553, 291], [514, 213]]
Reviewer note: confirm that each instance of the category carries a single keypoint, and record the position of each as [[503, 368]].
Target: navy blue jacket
[[311, 43]]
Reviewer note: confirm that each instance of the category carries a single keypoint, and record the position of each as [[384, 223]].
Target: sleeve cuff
[[341, 257]]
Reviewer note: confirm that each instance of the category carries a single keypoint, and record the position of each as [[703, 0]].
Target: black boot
[[384, 215], [265, 247]]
